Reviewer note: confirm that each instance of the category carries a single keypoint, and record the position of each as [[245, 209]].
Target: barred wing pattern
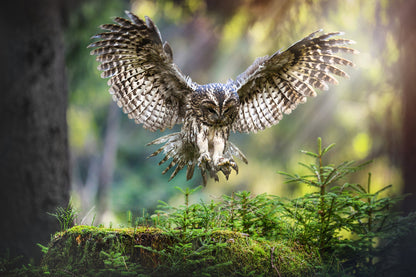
[[273, 86], [144, 81]]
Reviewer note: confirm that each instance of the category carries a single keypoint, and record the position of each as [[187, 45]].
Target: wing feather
[[268, 107], [144, 81], [275, 85]]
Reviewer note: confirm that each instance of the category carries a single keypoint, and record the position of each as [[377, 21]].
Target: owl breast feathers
[[152, 90]]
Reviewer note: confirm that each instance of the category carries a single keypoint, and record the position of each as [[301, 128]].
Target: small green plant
[[348, 223], [321, 215], [116, 263], [185, 216], [197, 258], [65, 216]]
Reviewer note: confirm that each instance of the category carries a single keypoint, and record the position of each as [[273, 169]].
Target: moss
[[86, 250]]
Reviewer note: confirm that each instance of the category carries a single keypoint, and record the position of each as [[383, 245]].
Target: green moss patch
[[93, 251]]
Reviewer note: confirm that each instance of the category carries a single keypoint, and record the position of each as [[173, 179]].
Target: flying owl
[[153, 91]]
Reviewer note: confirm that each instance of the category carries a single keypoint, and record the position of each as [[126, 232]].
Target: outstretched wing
[[144, 81], [275, 85]]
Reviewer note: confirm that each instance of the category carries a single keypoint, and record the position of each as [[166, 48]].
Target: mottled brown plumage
[[152, 90]]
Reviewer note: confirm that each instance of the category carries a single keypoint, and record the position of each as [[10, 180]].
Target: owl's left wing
[[144, 81], [273, 86]]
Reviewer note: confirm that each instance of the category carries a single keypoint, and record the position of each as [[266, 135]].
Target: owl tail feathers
[[182, 154]]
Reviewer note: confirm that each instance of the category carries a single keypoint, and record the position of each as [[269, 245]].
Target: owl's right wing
[[144, 81], [275, 85]]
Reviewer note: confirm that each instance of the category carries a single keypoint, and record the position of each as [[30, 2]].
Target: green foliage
[[117, 263], [14, 266], [348, 223], [197, 258], [339, 228], [240, 212], [65, 216]]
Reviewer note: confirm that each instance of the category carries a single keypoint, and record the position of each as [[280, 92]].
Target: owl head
[[215, 104]]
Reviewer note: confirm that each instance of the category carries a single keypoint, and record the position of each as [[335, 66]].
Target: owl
[[151, 89]]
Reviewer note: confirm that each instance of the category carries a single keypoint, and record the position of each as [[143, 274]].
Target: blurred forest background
[[369, 116]]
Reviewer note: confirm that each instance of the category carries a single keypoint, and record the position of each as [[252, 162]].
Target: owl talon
[[226, 170], [204, 161], [226, 165], [234, 166], [215, 176]]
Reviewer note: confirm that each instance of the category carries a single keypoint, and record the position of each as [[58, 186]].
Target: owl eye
[[211, 110], [227, 110], [208, 108]]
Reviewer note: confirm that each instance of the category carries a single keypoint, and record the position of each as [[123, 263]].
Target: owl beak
[[217, 119]]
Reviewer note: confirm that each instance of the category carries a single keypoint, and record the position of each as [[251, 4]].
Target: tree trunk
[[34, 164], [407, 42]]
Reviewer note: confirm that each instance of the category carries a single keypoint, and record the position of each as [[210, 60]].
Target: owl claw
[[234, 166], [206, 165], [226, 170], [204, 160], [226, 165]]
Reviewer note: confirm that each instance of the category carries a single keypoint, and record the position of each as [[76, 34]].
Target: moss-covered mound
[[92, 251]]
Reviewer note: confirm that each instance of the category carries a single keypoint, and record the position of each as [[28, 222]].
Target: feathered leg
[[183, 153]]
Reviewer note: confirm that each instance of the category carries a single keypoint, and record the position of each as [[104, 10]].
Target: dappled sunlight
[[82, 134], [361, 145], [145, 8], [234, 30], [383, 174], [259, 34]]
